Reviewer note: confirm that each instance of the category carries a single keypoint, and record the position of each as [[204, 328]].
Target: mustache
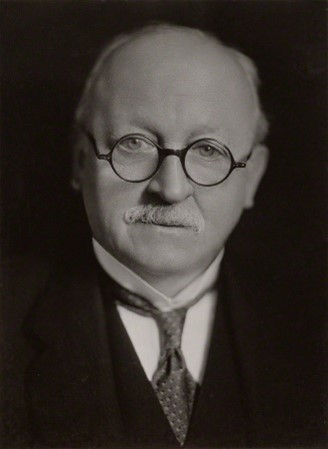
[[182, 215]]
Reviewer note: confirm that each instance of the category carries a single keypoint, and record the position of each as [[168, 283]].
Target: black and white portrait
[[163, 217]]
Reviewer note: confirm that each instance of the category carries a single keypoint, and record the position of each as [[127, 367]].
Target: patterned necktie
[[172, 382], [174, 385]]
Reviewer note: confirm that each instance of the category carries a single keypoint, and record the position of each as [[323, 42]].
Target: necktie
[[174, 386], [172, 382]]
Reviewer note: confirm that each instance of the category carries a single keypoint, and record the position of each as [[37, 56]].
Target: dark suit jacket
[[72, 378]]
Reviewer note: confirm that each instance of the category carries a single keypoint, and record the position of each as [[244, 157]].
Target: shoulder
[[27, 268], [23, 277], [279, 326], [22, 280]]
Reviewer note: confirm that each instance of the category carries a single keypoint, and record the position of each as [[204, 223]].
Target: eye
[[135, 143], [206, 151]]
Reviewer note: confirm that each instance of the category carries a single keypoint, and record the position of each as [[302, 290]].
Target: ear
[[256, 167], [78, 158]]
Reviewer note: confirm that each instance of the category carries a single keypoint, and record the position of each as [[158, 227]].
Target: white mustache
[[183, 214]]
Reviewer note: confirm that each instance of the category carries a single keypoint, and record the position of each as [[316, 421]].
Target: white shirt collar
[[131, 281]]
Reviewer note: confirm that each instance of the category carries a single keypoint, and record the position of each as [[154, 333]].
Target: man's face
[[174, 88]]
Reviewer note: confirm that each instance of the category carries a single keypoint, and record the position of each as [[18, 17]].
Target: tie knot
[[170, 325]]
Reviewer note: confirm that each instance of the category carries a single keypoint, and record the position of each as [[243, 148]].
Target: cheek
[[222, 209], [106, 198], [94, 190]]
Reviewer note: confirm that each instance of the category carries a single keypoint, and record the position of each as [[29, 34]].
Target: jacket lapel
[[72, 384], [219, 418], [144, 422], [70, 388]]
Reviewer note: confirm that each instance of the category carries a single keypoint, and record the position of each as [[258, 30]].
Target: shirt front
[[143, 331]]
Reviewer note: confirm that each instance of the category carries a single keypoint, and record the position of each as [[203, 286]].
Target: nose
[[170, 182]]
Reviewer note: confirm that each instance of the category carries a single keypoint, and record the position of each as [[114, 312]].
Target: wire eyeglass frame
[[163, 153]]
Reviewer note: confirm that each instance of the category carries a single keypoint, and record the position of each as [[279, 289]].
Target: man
[[147, 341]]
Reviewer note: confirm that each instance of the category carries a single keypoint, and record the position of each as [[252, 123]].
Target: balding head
[[161, 34], [170, 87]]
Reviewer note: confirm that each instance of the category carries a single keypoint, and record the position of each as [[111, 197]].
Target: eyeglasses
[[136, 158]]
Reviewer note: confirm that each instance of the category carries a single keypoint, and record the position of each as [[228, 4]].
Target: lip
[[169, 226], [165, 228]]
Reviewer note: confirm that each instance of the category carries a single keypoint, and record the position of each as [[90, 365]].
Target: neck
[[169, 284], [163, 287]]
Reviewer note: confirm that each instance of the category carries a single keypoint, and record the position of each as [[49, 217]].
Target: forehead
[[173, 79]]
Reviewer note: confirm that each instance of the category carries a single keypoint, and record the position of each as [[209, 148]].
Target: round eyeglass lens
[[208, 162], [134, 158]]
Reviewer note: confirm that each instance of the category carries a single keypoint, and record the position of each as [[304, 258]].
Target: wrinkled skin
[[174, 89]]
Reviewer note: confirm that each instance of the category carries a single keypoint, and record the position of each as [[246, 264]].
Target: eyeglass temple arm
[[93, 142], [243, 164], [164, 151]]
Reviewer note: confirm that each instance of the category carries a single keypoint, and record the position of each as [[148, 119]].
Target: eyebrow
[[205, 129], [151, 128]]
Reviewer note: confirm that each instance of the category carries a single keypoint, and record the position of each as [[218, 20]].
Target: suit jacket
[[72, 378]]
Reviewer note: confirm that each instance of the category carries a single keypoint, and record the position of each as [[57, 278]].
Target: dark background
[[47, 51], [48, 48]]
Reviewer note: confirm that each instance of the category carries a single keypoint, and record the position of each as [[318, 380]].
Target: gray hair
[[246, 64]]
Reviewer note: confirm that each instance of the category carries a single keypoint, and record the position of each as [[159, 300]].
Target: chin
[[158, 264], [165, 260]]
